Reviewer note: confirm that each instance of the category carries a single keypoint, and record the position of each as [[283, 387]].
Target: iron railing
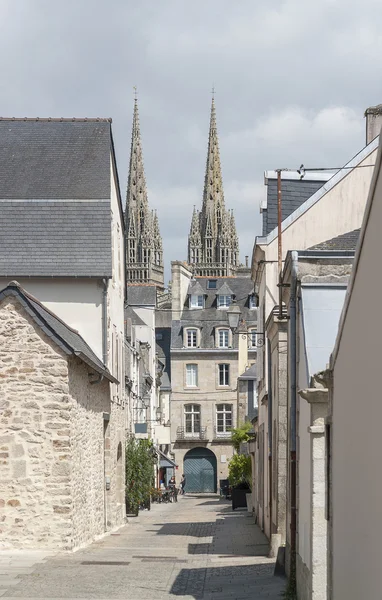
[[182, 434]]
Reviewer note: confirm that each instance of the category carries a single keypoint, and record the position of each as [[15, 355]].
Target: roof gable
[[64, 336], [333, 181]]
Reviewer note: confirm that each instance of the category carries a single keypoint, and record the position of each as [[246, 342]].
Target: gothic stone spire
[[212, 244], [144, 257]]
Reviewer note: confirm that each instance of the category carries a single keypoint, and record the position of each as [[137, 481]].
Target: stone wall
[[54, 452], [35, 468]]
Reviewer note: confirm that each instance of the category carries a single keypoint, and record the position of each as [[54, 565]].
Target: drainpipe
[[293, 400], [104, 321], [270, 430]]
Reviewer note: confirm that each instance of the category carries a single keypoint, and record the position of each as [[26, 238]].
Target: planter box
[[239, 498]]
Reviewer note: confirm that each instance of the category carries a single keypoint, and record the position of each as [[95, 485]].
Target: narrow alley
[[194, 549]]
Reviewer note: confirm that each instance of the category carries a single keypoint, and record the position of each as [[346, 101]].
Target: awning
[[165, 461], [321, 311]]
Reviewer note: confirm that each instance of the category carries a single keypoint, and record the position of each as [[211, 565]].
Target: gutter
[[104, 321]]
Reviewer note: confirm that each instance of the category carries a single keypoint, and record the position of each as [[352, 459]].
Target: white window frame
[[191, 375], [196, 301], [191, 337], [223, 338], [224, 371], [192, 410], [252, 301], [224, 301], [224, 409]]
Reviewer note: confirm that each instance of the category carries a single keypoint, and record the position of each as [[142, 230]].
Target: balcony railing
[[182, 434], [222, 435]]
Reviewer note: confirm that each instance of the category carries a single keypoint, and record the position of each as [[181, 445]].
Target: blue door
[[200, 470]]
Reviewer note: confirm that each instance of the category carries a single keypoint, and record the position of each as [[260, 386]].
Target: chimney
[[373, 116]]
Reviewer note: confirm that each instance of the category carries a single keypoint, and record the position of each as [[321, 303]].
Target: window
[[223, 418], [252, 301], [159, 336], [211, 284], [252, 338], [208, 250], [223, 374], [191, 375], [192, 418], [223, 340], [224, 301], [192, 338], [196, 301]]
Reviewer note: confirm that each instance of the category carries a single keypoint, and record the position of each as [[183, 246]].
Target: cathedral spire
[[210, 243], [144, 258], [213, 195]]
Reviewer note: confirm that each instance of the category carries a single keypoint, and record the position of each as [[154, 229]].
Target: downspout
[[270, 401], [293, 402], [104, 321]]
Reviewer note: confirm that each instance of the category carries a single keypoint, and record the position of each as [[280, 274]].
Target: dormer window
[[191, 337], [196, 301], [223, 337], [224, 301], [211, 284], [252, 301]]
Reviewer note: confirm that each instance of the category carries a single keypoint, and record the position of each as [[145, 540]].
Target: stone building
[[62, 226], [318, 277], [144, 250], [61, 435], [213, 246], [207, 358], [334, 209], [62, 232]]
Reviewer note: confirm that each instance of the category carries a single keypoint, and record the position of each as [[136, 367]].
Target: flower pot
[[239, 498]]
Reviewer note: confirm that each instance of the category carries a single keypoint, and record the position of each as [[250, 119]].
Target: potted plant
[[239, 470]]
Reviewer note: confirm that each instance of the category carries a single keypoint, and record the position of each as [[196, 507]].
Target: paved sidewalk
[[196, 549]]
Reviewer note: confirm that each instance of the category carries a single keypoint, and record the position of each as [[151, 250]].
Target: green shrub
[[140, 460], [239, 470], [240, 435]]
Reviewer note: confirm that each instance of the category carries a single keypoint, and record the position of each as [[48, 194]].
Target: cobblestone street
[[195, 549]]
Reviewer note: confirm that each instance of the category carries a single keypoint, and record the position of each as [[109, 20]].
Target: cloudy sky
[[292, 80]]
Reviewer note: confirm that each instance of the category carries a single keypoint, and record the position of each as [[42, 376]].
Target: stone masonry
[[53, 442]]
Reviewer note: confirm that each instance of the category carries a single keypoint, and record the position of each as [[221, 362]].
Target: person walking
[[182, 485], [173, 490]]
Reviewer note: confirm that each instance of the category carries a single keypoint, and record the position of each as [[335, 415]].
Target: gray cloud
[[292, 79]]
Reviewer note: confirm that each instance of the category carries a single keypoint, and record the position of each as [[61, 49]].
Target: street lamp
[[233, 314], [234, 318]]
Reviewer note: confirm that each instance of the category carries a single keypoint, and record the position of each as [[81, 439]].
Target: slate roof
[[55, 188], [141, 295], [293, 192], [210, 317], [68, 339], [347, 241], [249, 374], [132, 315]]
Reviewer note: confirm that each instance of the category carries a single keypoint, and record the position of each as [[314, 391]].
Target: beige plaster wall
[[76, 301], [357, 417]]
